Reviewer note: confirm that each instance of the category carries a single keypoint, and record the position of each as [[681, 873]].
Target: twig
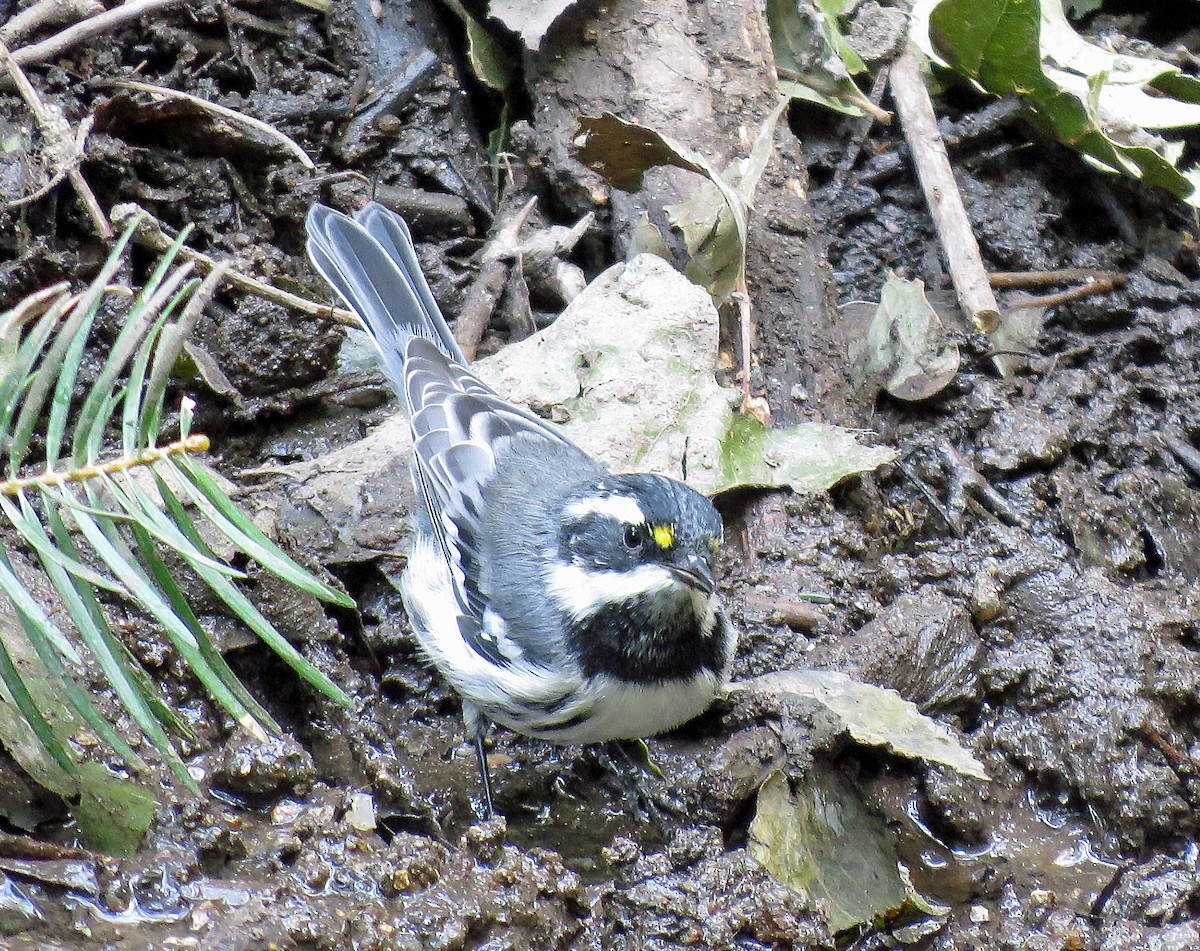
[[147, 457], [1101, 286], [941, 194], [104, 22], [63, 147], [47, 11], [1006, 279], [965, 480], [150, 234], [32, 307], [931, 499], [830, 88], [862, 130], [224, 111], [489, 282]]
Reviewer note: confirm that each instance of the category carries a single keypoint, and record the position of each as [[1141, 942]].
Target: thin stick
[[941, 194], [1069, 275], [224, 111], [63, 147], [47, 11], [1102, 286], [150, 234], [147, 457], [485, 290], [104, 22]]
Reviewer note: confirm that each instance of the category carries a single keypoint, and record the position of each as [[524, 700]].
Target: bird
[[560, 600]]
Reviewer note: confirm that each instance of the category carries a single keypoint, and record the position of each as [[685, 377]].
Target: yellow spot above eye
[[664, 536]]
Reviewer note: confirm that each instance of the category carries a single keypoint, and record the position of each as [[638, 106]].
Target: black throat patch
[[642, 644]]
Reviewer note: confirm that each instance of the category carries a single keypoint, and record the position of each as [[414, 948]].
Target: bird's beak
[[695, 572]]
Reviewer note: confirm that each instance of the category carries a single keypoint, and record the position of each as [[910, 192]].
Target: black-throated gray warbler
[[559, 600]]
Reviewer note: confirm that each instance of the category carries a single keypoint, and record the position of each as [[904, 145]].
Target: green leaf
[[101, 399], [170, 344], [26, 522], [19, 376], [714, 234], [23, 601], [113, 813], [66, 353], [124, 674], [167, 584], [716, 231], [811, 457], [490, 63], [114, 553], [873, 715], [662, 408], [1099, 103], [815, 835], [244, 610], [22, 694]]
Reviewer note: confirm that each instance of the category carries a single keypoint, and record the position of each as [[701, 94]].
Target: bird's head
[[636, 539]]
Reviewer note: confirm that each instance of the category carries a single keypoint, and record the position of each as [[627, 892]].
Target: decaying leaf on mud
[[872, 715], [814, 60], [713, 223], [906, 349], [1107, 106], [490, 63], [815, 834]]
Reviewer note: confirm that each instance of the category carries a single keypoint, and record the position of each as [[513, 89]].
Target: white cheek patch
[[619, 507], [582, 593]]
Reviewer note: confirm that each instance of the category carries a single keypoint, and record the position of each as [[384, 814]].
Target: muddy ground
[[1026, 571]]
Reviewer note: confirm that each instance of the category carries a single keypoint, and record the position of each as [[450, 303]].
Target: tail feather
[[372, 265]]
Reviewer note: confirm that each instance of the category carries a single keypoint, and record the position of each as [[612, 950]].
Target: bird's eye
[[634, 536]]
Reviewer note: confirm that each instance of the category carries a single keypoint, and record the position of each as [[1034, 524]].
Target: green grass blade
[[67, 352], [113, 551], [122, 671], [29, 526], [25, 703], [132, 411], [79, 700], [162, 575], [19, 377], [142, 512], [245, 611], [168, 350], [221, 510], [98, 405], [23, 601]]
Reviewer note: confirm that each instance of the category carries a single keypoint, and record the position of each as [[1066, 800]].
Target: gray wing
[[459, 424]]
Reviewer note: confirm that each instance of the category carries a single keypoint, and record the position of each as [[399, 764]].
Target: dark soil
[[1054, 623]]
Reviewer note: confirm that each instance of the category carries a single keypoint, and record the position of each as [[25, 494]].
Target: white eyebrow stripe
[[621, 507], [582, 593]]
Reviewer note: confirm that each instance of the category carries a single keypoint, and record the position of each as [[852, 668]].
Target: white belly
[[619, 710]]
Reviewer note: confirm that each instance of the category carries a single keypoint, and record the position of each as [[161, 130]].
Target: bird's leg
[[484, 775]]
